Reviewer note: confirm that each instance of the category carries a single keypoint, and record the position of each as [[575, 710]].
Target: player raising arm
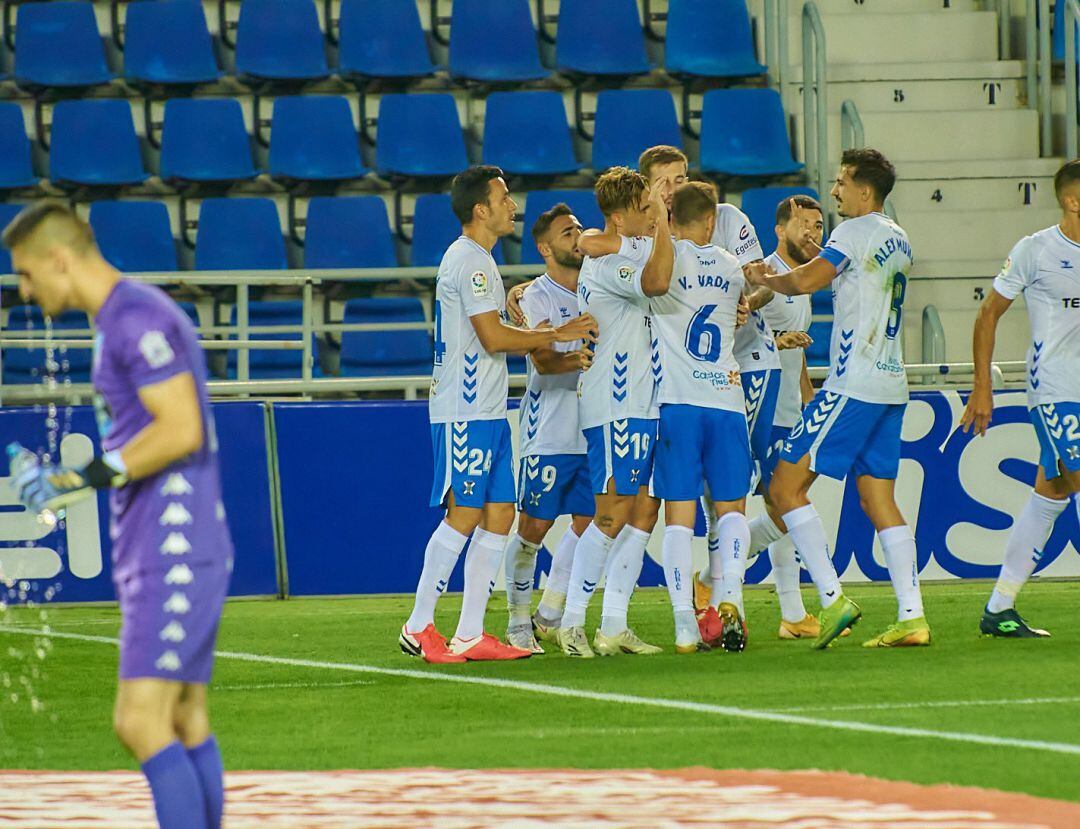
[[853, 425], [171, 551], [1041, 267], [474, 477]]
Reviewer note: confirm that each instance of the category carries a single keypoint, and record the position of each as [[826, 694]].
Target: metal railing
[[1072, 48], [815, 98], [852, 131], [776, 46], [1044, 104], [933, 336]]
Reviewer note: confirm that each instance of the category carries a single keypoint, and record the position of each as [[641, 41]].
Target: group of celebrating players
[[666, 364]]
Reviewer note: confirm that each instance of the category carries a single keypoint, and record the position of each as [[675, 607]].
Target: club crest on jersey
[[626, 273], [156, 349], [479, 283]]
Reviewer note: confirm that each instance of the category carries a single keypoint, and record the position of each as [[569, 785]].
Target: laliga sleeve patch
[[479, 283], [156, 349], [626, 272]]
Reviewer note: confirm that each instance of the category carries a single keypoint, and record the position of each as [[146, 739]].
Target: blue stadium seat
[[582, 202], [376, 353], [710, 38], [382, 39], [7, 213], [185, 56], [273, 364], [313, 138], [239, 234], [760, 207], [93, 142], [629, 121], [526, 133], [435, 227], [600, 37], [744, 132], [818, 352], [15, 168], [419, 135], [204, 139], [27, 365], [348, 232], [280, 40], [494, 40], [58, 44], [134, 236]]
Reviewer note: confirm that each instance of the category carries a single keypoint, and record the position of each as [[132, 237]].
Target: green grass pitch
[[280, 716]]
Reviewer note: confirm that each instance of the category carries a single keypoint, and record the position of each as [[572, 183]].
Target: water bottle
[[19, 460]]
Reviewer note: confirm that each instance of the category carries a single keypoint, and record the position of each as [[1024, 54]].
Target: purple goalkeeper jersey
[[174, 520]]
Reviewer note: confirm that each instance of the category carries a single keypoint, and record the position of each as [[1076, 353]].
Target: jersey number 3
[[703, 336]]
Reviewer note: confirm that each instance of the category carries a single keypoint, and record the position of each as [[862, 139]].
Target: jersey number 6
[[703, 336]]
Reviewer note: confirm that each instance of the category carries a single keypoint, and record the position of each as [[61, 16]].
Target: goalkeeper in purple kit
[[172, 553]]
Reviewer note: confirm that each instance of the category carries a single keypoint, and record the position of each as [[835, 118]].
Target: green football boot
[[906, 634], [834, 619], [1008, 624]]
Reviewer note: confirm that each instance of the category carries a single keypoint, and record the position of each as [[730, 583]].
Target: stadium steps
[[971, 180]]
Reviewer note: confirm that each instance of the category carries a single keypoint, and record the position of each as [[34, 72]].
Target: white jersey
[[622, 380], [1045, 267], [872, 257], [735, 234], [467, 382], [694, 325], [788, 313], [755, 349], [549, 407]]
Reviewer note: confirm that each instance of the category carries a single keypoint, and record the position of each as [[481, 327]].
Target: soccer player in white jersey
[[703, 427], [853, 425], [798, 234], [1044, 267], [618, 399], [470, 435], [554, 475]]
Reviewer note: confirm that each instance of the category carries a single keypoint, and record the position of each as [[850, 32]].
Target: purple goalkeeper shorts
[[170, 621]]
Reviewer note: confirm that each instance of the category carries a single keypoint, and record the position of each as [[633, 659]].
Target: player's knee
[[130, 724], [532, 529], [499, 518], [191, 723]]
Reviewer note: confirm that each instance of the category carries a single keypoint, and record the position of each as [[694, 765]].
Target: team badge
[[479, 283], [626, 272], [156, 349]]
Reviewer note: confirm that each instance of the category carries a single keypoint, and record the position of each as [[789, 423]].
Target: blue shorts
[[776, 445], [699, 445], [760, 390], [473, 458], [623, 450], [844, 435], [1058, 428], [554, 485]]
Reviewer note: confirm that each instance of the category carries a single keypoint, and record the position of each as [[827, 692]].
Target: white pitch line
[[945, 703], [621, 699]]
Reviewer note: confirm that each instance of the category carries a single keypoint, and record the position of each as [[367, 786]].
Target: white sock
[[786, 575], [901, 559], [624, 568], [440, 556], [589, 559], [678, 564], [520, 572], [763, 532], [1024, 548], [733, 541], [807, 532], [554, 599], [481, 566]]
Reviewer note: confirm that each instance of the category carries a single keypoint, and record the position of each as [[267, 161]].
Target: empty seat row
[[314, 137], [57, 44]]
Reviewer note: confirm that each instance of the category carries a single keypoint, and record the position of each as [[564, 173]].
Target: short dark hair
[[783, 210], [470, 188], [67, 227], [693, 202], [543, 222], [868, 166], [1068, 174], [660, 154], [620, 188]]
